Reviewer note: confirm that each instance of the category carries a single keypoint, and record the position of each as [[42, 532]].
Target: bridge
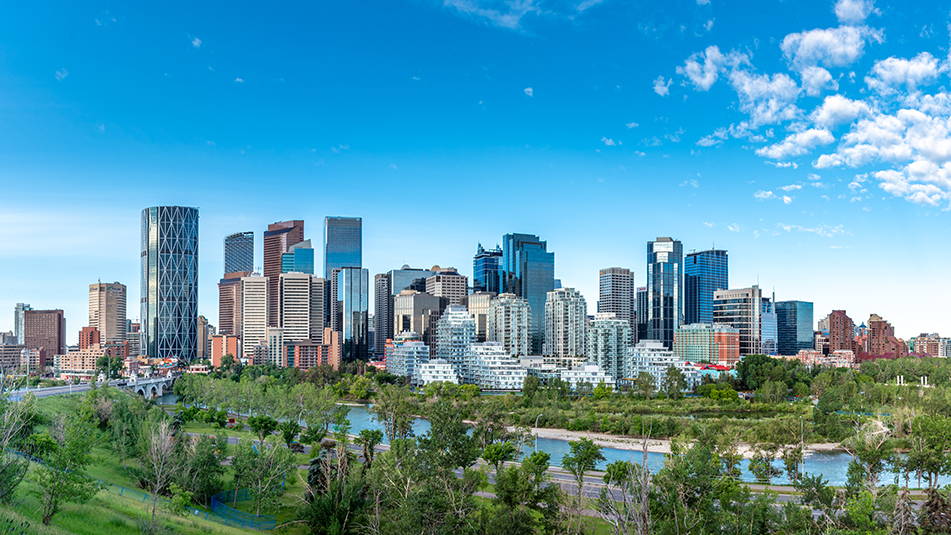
[[150, 387]]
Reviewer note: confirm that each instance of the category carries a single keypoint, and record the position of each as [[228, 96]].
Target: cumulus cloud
[[529, 92], [608, 142], [832, 47], [763, 195], [196, 42], [891, 74], [854, 11], [632, 125], [767, 99], [61, 74], [836, 110], [703, 75], [787, 199], [816, 79], [661, 88], [791, 187], [796, 144], [239, 80]]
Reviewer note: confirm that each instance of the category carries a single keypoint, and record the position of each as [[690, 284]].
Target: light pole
[[536, 431]]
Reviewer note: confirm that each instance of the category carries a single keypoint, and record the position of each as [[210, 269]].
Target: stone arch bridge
[[151, 387]]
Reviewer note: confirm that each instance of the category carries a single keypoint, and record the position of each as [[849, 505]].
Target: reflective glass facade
[[239, 252], [665, 301], [768, 328], [353, 304], [704, 273], [299, 259], [528, 271], [794, 325], [485, 270], [169, 283], [343, 243]]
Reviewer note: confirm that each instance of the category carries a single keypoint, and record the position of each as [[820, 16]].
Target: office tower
[[202, 353], [881, 338], [353, 302], [107, 311], [302, 306], [665, 299], [607, 341], [479, 305], [742, 309], [239, 252], [18, 321], [528, 271], [716, 343], [769, 327], [45, 329], [229, 303], [299, 258], [386, 287], [132, 336], [841, 332], [343, 244], [455, 331], [485, 270], [510, 324], [278, 240], [704, 273], [417, 312], [565, 315], [448, 283], [641, 332], [794, 327], [617, 294], [254, 312], [169, 290], [89, 336]]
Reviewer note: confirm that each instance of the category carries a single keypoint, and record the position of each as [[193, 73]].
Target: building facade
[[455, 332], [278, 239], [18, 318], [716, 343], [229, 302], [841, 332], [299, 258], [794, 327], [107, 310], [704, 273], [485, 270], [386, 287], [510, 324], [343, 244], [491, 367], [665, 300], [435, 371], [407, 356], [882, 340], [528, 271], [608, 339], [479, 305], [589, 373], [448, 283], [239, 252], [255, 300], [742, 309], [617, 294], [303, 306], [353, 304], [650, 356], [417, 312], [565, 316], [769, 328], [45, 329]]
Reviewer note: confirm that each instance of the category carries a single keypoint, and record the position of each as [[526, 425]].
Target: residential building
[[107, 311], [275, 346], [485, 269], [391, 345], [448, 283], [528, 272], [387, 286], [306, 354], [794, 326], [229, 302], [704, 273], [353, 302], [882, 340], [589, 373], [80, 363], [927, 344], [255, 300], [493, 368], [169, 293], [455, 332], [607, 341], [479, 305], [18, 318], [417, 312], [45, 329], [841, 332], [302, 306], [665, 300], [435, 371], [278, 239], [89, 336], [343, 244], [717, 343], [224, 344], [510, 324], [239, 252], [132, 336], [742, 309], [617, 294], [652, 357], [299, 258], [565, 315], [11, 356], [406, 358]]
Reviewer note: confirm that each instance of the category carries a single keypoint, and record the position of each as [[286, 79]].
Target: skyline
[[533, 121]]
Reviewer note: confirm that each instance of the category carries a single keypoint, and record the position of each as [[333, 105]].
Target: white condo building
[[254, 299], [608, 339], [302, 306], [590, 373], [510, 324], [455, 332], [565, 315], [406, 359], [436, 371], [493, 368], [652, 357]]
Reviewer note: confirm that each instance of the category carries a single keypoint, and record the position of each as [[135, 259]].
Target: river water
[[831, 465]]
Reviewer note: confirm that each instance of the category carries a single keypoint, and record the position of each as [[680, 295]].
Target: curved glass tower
[[169, 290]]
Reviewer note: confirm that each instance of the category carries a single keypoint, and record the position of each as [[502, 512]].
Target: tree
[[368, 439], [673, 383], [644, 385], [16, 425], [602, 391], [262, 426], [631, 515], [530, 386], [289, 430], [583, 457], [262, 467], [394, 409], [158, 464], [199, 460], [497, 453], [526, 501]]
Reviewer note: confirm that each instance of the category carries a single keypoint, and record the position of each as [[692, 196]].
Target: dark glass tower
[[343, 243], [665, 300], [704, 273], [485, 270], [353, 305], [528, 271], [169, 289], [239, 252], [794, 326]]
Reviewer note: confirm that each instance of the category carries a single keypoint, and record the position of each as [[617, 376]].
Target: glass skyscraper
[[239, 252], [343, 243], [769, 327], [300, 259], [353, 305], [485, 270], [704, 273], [528, 271], [665, 299], [794, 326], [169, 283]]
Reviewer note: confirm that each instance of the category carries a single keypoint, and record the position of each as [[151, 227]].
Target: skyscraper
[[704, 273], [353, 304], [479, 305], [302, 306], [641, 332], [485, 270], [742, 309], [299, 258], [278, 239], [665, 299], [794, 326], [229, 303], [343, 244], [528, 271], [565, 315], [18, 321], [45, 329], [254, 313], [417, 312], [107, 311], [841, 332], [239, 252], [617, 294], [510, 323], [386, 287], [169, 294], [769, 327], [606, 343], [448, 283]]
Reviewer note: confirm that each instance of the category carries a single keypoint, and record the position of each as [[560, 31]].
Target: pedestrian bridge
[[150, 387]]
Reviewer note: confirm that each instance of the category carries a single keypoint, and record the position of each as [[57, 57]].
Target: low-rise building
[[406, 359], [718, 343], [436, 371], [651, 357], [306, 354], [80, 363], [589, 373], [493, 368]]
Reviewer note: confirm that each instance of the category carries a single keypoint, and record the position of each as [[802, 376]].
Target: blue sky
[[810, 139]]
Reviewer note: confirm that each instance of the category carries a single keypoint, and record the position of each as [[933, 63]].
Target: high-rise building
[[107, 311], [479, 305], [485, 270], [89, 336], [617, 294], [203, 329], [298, 259], [239, 252], [510, 324], [794, 327], [716, 343], [607, 341], [229, 303], [448, 283], [528, 271], [132, 336], [665, 296], [881, 338], [254, 312], [343, 244], [302, 306], [18, 315], [386, 287], [169, 294], [353, 304], [769, 328], [417, 312], [45, 329], [841, 332], [278, 240], [641, 332], [565, 315], [455, 331], [743, 310], [704, 273]]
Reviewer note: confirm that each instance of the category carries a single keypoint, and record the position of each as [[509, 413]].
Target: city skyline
[[622, 116]]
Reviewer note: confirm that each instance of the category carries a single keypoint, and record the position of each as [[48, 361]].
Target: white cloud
[[826, 231], [833, 47], [392, 166], [791, 187], [707, 224], [854, 11], [529, 92], [817, 79], [661, 88], [709, 25], [836, 109], [794, 165], [196, 42], [890, 74], [702, 76], [608, 142], [239, 80], [796, 144], [734, 227], [787, 199], [763, 195], [631, 125], [61, 75], [767, 99], [507, 14]]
